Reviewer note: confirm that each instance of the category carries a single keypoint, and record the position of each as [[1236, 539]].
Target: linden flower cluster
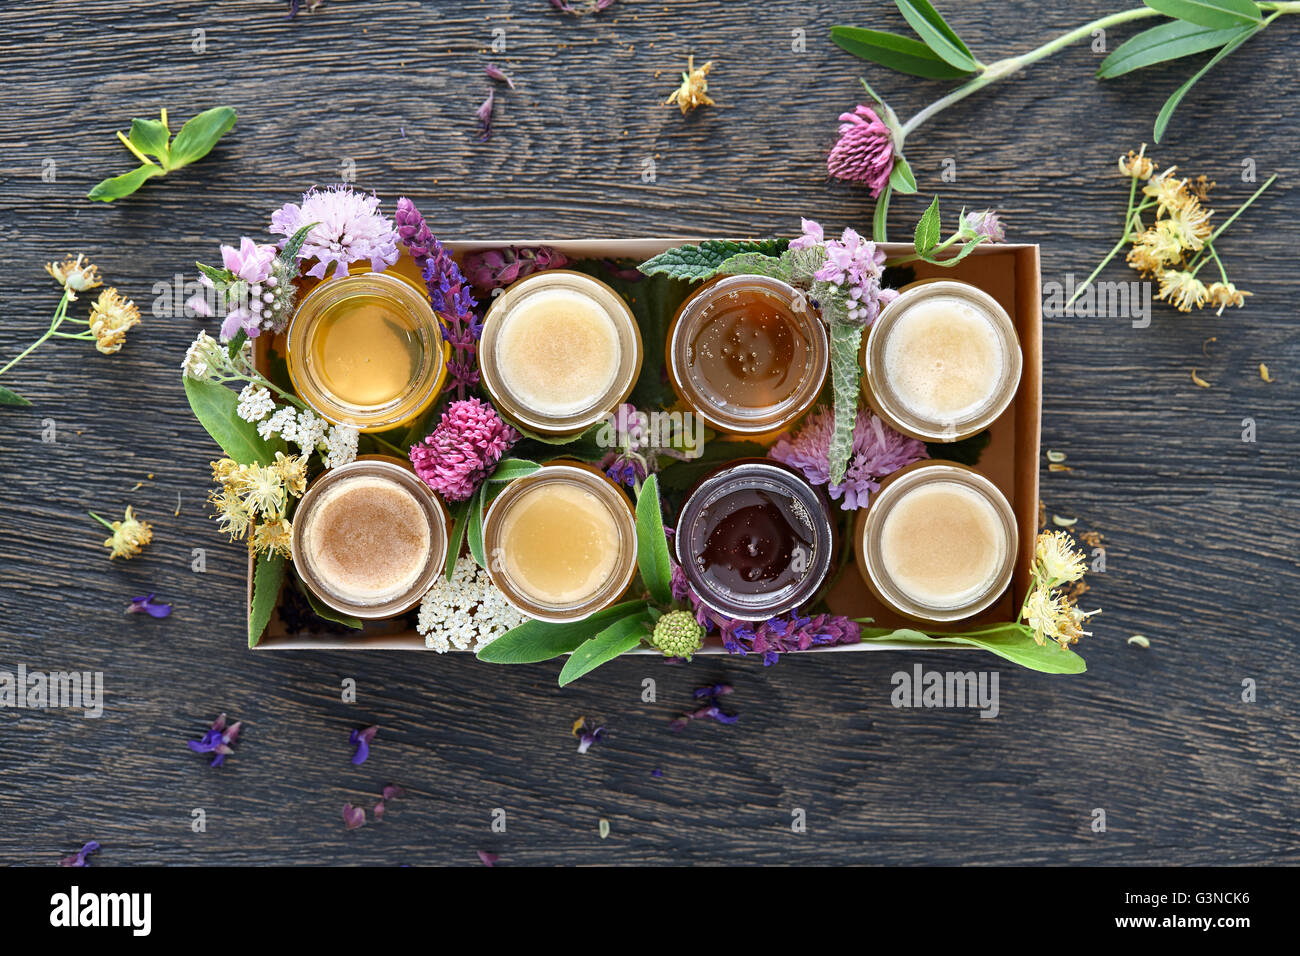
[[1051, 613], [251, 501], [129, 537], [1180, 241], [467, 613]]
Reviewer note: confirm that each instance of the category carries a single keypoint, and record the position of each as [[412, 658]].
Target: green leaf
[[1013, 642], [880, 220], [846, 340], [928, 230], [327, 613], [1171, 104], [938, 36], [268, 575], [219, 276], [949, 261], [214, 406], [459, 511], [677, 476], [696, 262], [291, 248], [1168, 41], [535, 641], [124, 185], [200, 134], [1220, 14], [755, 264], [901, 178], [12, 398], [150, 137], [896, 52], [967, 451], [619, 638], [474, 531], [508, 469], [652, 558]]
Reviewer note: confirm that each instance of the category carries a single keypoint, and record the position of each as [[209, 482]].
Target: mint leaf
[[200, 134], [12, 398], [535, 641], [268, 576], [697, 262], [846, 340], [124, 185], [652, 558], [928, 230], [620, 637]]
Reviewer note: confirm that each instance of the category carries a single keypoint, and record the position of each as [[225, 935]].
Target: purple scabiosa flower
[[413, 230], [496, 73], [497, 268], [486, 858], [218, 740], [349, 228], [147, 605], [463, 449], [864, 152], [708, 707], [484, 115], [587, 734], [353, 817], [361, 740], [79, 858], [986, 224], [878, 451]]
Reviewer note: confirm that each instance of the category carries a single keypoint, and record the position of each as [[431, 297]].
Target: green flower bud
[[678, 634]]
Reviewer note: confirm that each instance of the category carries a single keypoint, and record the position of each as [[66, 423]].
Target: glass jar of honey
[[748, 354], [367, 350]]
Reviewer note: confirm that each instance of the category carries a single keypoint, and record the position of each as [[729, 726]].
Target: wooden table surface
[[1200, 527]]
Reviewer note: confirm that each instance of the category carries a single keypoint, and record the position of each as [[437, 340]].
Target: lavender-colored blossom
[[496, 73], [587, 734], [390, 792], [486, 858], [986, 224], [498, 268], [218, 740], [413, 230], [855, 265], [348, 228], [147, 605], [812, 235], [454, 305], [79, 858], [864, 152], [878, 451], [361, 740], [709, 709], [484, 115]]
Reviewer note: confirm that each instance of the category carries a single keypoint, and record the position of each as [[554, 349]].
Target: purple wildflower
[[812, 235], [79, 858], [709, 708], [218, 740], [484, 114], [587, 734], [985, 224], [864, 152], [463, 449], [413, 230], [486, 858], [454, 304], [497, 268], [878, 451], [353, 817], [496, 73], [856, 265], [147, 605], [348, 228], [361, 740]]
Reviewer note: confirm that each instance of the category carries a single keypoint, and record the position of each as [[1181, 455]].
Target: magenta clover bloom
[[864, 152], [463, 449]]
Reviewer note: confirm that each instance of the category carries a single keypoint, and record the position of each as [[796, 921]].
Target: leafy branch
[[152, 138]]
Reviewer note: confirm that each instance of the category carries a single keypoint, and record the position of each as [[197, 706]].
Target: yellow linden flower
[[130, 535], [694, 89], [293, 472], [1162, 244], [1168, 192], [110, 317], [1070, 625], [262, 490], [1182, 290], [226, 472], [1191, 224], [273, 536], [1056, 556], [1145, 259], [232, 517], [1137, 165], [74, 275], [1042, 612], [1224, 294]]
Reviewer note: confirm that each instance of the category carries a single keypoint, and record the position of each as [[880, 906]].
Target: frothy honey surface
[[367, 539], [558, 352], [943, 359], [560, 543], [942, 544]]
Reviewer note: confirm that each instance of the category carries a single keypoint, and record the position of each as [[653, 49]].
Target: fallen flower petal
[[361, 740], [217, 740], [353, 817], [79, 858], [484, 114], [586, 734], [496, 73], [147, 605], [489, 859]]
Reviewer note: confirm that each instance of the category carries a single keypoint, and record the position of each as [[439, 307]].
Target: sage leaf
[[846, 339], [1012, 642], [508, 469], [474, 530], [214, 406], [896, 52], [620, 637], [12, 398], [697, 262], [124, 185], [937, 35], [928, 229], [268, 576], [200, 134], [535, 641], [1171, 104], [459, 512], [652, 558], [1168, 41], [901, 177], [1220, 14]]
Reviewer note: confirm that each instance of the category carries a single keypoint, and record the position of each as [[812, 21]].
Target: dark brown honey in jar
[[748, 354]]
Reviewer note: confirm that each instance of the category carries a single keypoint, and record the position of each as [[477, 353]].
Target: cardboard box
[[1009, 273]]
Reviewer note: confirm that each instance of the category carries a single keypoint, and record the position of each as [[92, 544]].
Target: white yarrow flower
[[308, 431], [280, 423], [468, 612], [340, 445], [255, 403]]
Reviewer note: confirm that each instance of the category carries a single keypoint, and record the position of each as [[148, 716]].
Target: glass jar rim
[[620, 509], [425, 384], [690, 315], [886, 403], [870, 524], [625, 327], [435, 514], [748, 474]]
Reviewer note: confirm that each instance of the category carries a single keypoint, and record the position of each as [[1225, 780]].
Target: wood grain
[[1199, 526]]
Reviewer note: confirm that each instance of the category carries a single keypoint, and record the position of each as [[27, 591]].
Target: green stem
[[878, 227], [55, 321], [389, 445], [100, 520], [1196, 263], [1127, 237]]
